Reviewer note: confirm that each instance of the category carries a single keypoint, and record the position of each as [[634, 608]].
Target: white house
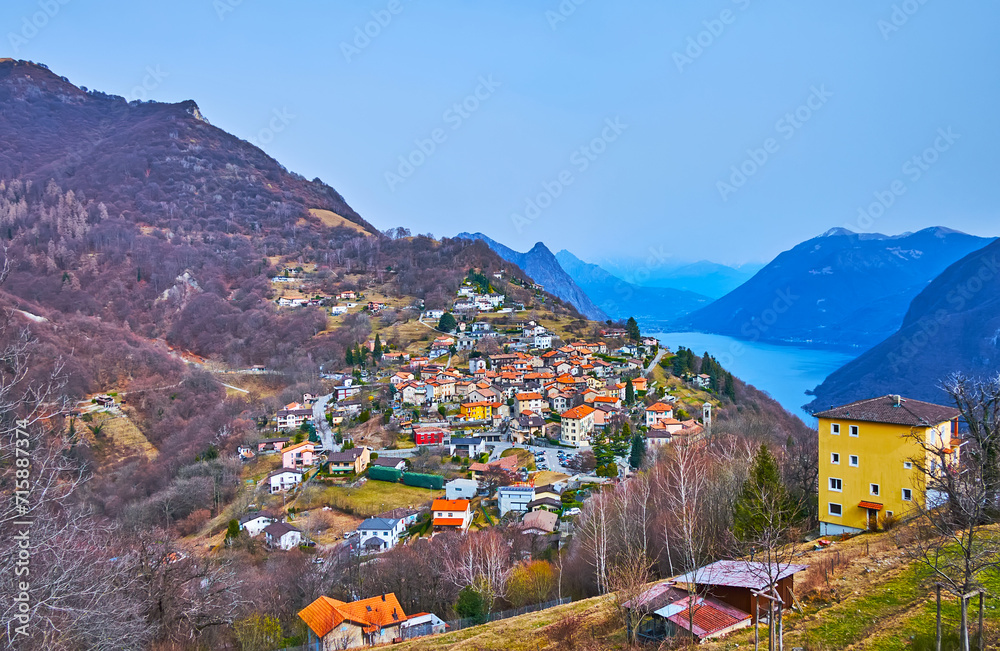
[[338, 309], [254, 523], [433, 314], [461, 489], [543, 341], [422, 624], [282, 535], [514, 498], [379, 534], [284, 479]]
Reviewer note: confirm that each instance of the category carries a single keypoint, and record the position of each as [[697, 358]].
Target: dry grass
[[120, 439], [333, 220]]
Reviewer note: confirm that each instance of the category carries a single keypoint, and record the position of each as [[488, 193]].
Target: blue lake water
[[784, 372]]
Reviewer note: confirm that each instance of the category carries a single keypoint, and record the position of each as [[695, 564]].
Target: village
[[491, 420]]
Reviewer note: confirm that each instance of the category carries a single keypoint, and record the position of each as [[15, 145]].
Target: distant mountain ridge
[[704, 277], [953, 325], [544, 269], [841, 289], [652, 307]]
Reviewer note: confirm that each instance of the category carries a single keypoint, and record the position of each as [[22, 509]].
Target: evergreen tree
[[447, 322], [349, 357], [621, 442], [629, 392], [763, 504], [730, 387], [232, 531], [632, 328], [638, 453], [601, 447], [377, 352]]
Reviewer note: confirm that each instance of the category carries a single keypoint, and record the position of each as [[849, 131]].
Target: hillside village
[[507, 426]]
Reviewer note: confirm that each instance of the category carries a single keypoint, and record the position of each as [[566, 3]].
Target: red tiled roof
[[325, 614], [450, 505], [448, 522], [870, 505]]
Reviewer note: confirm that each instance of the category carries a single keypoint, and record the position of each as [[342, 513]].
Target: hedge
[[423, 481], [381, 473]]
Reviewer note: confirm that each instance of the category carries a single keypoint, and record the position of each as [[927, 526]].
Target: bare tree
[[484, 562], [961, 485]]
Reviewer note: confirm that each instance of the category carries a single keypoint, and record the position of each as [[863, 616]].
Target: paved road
[[322, 427], [656, 360]]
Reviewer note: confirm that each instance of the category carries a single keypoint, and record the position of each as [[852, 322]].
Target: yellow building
[[476, 410], [868, 456]]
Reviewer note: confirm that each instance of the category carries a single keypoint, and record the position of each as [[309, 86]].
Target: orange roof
[[482, 403], [659, 407], [870, 505], [296, 447], [578, 412], [372, 614], [448, 522], [606, 399], [529, 396], [450, 505]]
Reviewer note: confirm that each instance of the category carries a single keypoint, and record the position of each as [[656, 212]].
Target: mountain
[[652, 307], [144, 216], [703, 277], [542, 266], [150, 161], [841, 289], [953, 325]]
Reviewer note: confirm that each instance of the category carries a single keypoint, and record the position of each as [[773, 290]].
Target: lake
[[784, 372]]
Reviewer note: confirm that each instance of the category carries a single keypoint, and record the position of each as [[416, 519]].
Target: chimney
[[383, 597], [898, 400]]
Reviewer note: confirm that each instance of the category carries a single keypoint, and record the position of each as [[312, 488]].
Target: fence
[[459, 624]]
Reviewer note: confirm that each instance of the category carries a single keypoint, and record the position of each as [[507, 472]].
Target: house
[[507, 464], [433, 314], [702, 381], [477, 365], [543, 340], [394, 463], [422, 624], [657, 412], [379, 534], [272, 444], [470, 447], [293, 415], [282, 535], [428, 435], [539, 522], [725, 598], [528, 425], [354, 460], [640, 384], [284, 479], [334, 624], [479, 410], [514, 498], [532, 402], [453, 515], [346, 390], [337, 310], [347, 296], [577, 425], [461, 489], [873, 459], [301, 455], [400, 377], [254, 523]]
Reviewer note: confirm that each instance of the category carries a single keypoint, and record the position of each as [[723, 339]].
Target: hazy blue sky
[[882, 78]]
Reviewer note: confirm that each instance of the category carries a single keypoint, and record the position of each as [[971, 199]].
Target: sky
[[727, 130]]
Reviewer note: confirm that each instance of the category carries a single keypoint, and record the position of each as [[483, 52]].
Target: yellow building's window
[[873, 488], [907, 495], [835, 509], [854, 461], [853, 430], [908, 465], [835, 429], [835, 458], [836, 484]]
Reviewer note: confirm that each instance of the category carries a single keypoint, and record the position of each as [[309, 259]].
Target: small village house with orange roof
[[577, 425], [455, 515], [334, 624], [657, 412], [533, 402], [299, 456]]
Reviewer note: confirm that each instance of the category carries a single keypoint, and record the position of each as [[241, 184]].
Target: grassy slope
[[872, 598]]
